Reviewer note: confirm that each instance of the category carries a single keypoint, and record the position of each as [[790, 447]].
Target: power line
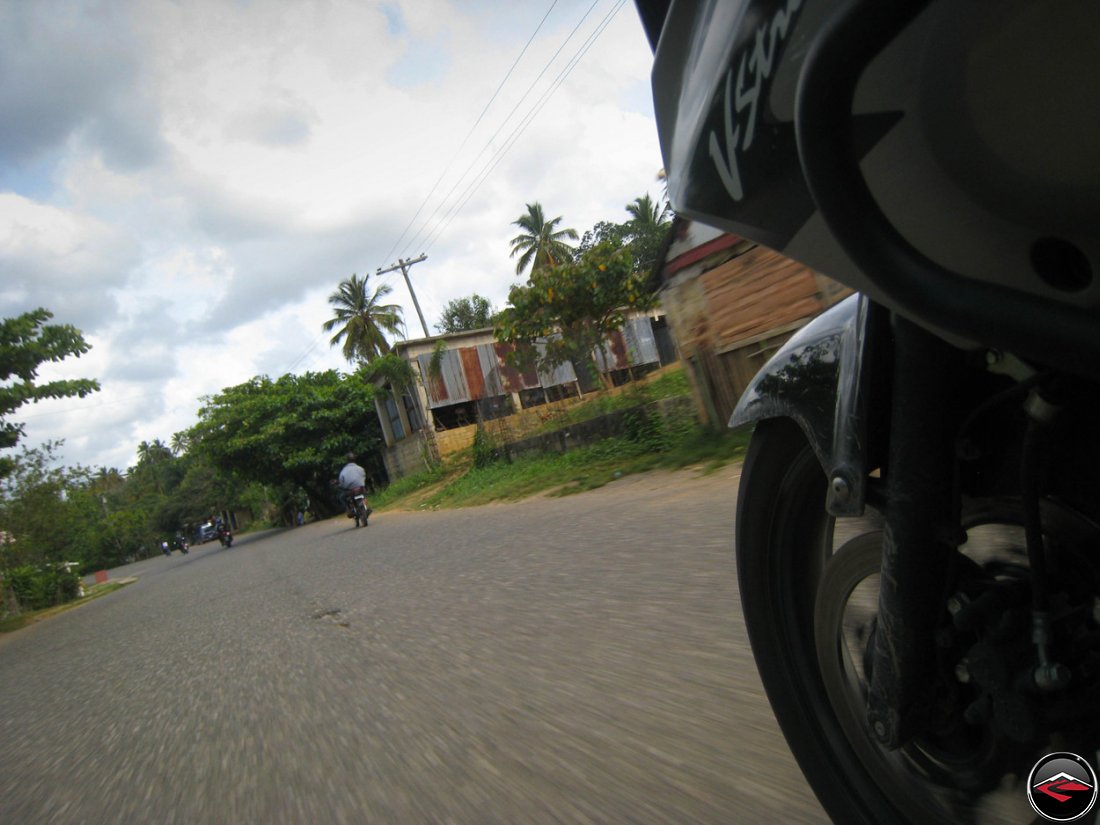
[[513, 138], [497, 156], [500, 128], [447, 169]]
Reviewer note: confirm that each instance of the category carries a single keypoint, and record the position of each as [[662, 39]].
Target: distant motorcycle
[[356, 502], [225, 537], [180, 543]]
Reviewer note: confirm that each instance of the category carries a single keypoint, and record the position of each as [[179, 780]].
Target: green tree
[[645, 213], [44, 511], [362, 318], [604, 232], [570, 309], [541, 243], [646, 230], [461, 314], [290, 433], [643, 234], [26, 342], [180, 443]]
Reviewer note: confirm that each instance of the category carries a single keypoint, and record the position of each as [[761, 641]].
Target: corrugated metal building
[[476, 378]]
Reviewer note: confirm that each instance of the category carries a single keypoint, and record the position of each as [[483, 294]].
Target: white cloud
[[192, 207]]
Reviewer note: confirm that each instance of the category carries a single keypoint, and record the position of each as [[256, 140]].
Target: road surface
[[557, 660]]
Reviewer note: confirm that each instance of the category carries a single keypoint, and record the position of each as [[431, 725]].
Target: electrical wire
[[499, 129], [513, 138], [477, 122]]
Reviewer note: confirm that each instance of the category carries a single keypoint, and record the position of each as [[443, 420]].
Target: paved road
[[566, 660]]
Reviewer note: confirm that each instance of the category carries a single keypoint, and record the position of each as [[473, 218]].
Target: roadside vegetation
[[484, 474], [263, 452], [582, 469], [21, 620]]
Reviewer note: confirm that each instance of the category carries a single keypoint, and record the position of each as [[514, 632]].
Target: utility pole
[[404, 265]]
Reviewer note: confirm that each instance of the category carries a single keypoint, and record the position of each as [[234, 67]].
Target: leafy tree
[[572, 308], [26, 342], [643, 234], [393, 369], [44, 510], [362, 318], [541, 242], [604, 232], [290, 433], [461, 314]]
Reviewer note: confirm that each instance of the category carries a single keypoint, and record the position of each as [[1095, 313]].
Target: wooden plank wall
[[730, 319], [757, 292]]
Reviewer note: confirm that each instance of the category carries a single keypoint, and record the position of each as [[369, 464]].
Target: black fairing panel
[[974, 129]]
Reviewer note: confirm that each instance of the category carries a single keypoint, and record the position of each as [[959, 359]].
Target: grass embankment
[[649, 445], [91, 594]]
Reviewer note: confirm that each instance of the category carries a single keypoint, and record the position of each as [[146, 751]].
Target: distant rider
[[352, 476]]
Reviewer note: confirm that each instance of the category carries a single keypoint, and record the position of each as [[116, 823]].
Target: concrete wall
[[456, 440], [408, 456], [597, 429]]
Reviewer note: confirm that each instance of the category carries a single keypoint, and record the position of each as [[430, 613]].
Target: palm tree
[[181, 442], [646, 230], [153, 453], [645, 214], [363, 319], [539, 242]]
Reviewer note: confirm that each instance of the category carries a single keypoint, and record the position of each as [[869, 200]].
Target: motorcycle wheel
[[360, 514], [809, 595]]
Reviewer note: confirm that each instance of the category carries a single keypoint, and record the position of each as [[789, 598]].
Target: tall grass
[[586, 468]]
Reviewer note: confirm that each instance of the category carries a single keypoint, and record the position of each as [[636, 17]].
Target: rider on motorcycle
[[351, 478]]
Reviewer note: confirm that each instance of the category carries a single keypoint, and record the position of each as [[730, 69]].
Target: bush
[[486, 450], [36, 588]]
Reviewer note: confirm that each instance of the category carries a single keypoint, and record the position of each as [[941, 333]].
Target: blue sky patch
[[33, 180], [395, 21], [424, 62]]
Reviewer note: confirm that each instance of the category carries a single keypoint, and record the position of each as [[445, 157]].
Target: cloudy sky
[[188, 182]]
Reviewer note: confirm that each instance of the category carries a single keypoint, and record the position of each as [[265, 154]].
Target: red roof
[[693, 256]]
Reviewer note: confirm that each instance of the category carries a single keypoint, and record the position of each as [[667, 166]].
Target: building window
[[395, 419], [412, 412]]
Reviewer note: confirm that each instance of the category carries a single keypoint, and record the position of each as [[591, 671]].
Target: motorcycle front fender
[[822, 380]]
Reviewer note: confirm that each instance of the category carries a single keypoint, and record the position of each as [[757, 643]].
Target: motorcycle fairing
[[973, 128], [820, 380]]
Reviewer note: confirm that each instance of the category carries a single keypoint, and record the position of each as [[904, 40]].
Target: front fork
[[922, 529]]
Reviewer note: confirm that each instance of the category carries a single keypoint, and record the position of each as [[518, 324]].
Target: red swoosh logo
[[1053, 787]]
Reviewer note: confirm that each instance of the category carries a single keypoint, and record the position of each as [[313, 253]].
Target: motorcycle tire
[[360, 514], [793, 573]]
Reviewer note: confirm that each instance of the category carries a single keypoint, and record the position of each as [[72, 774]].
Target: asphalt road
[[573, 660]]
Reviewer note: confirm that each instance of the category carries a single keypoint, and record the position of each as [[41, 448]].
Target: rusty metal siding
[[641, 343], [512, 379], [454, 389], [631, 346], [467, 374], [561, 374], [471, 369], [491, 378], [483, 371]]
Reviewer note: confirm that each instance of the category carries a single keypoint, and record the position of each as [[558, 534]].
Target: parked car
[[206, 532]]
